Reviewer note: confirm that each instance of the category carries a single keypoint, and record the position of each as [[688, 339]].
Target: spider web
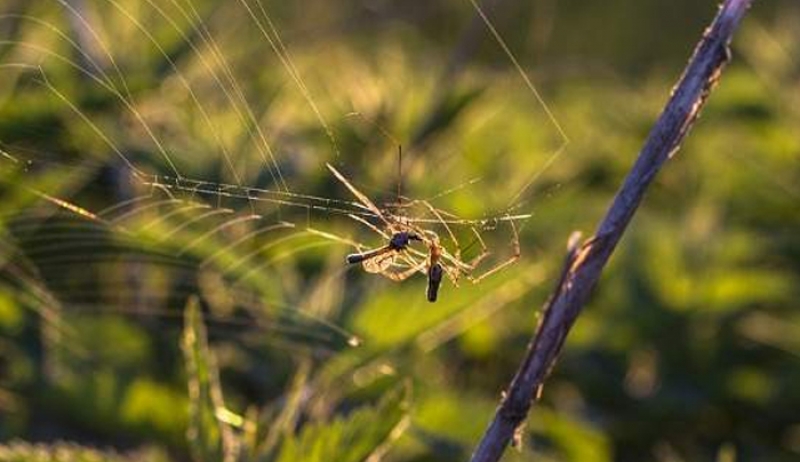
[[206, 132]]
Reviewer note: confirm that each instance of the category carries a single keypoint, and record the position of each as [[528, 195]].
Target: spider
[[401, 231]]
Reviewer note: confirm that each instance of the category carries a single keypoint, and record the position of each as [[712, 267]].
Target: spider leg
[[438, 214], [452, 273], [422, 235], [456, 266], [459, 265], [415, 267], [436, 257], [516, 252], [358, 194], [484, 250], [368, 225], [500, 266], [398, 277]]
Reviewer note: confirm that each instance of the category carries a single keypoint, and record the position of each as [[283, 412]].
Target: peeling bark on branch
[[585, 263]]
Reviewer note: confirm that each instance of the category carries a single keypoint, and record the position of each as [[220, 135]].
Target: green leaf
[[209, 437], [18, 451], [363, 435]]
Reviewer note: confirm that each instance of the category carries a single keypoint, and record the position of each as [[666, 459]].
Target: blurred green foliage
[[163, 298]]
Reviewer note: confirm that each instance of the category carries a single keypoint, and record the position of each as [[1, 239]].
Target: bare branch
[[585, 263]]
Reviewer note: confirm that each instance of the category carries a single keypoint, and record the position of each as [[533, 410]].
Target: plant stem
[[585, 263]]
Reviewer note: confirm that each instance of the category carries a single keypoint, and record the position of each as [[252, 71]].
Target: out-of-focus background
[[172, 276]]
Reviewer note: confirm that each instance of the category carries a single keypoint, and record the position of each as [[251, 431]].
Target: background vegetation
[[146, 316]]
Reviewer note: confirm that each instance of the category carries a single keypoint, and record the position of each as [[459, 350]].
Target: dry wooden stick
[[585, 262]]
